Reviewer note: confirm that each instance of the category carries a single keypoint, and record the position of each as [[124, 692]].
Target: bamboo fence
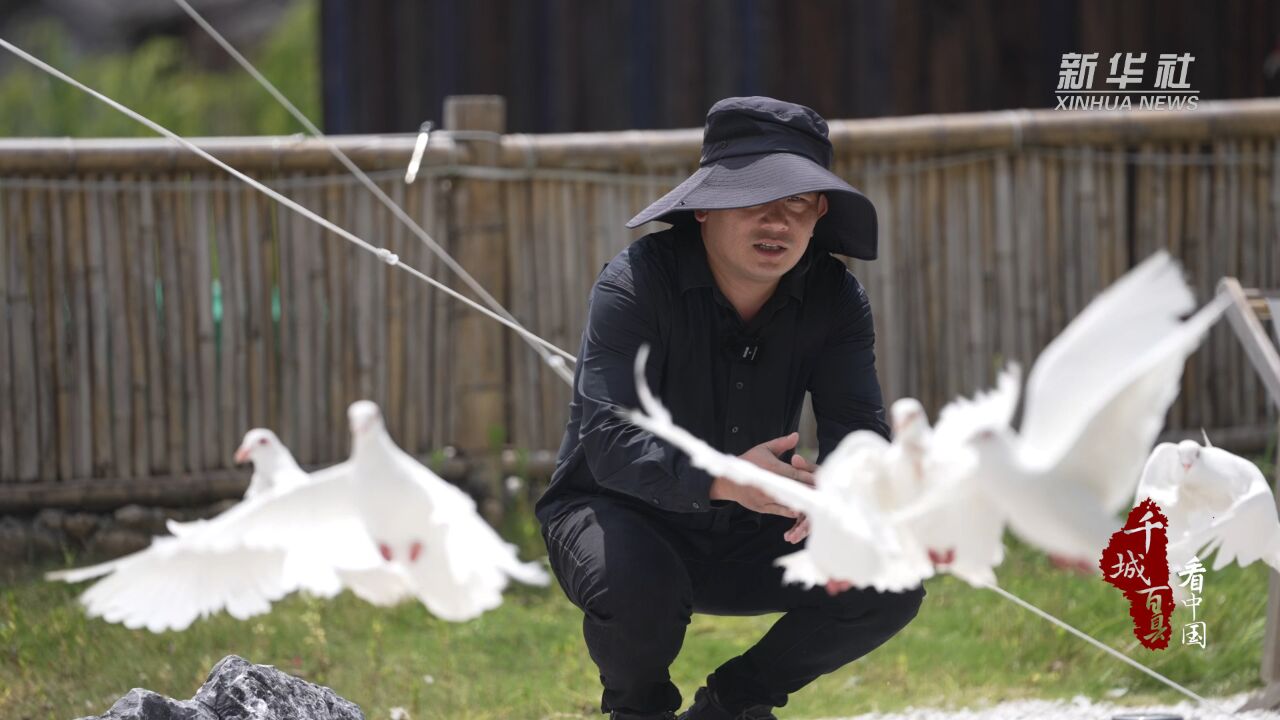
[[155, 309]]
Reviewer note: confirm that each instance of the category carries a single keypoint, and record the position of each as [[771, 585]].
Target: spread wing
[[1247, 532], [1076, 374], [240, 562], [1118, 422]]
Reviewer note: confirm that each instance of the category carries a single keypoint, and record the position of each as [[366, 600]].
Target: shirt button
[[655, 501], [738, 385], [696, 506], [734, 429]]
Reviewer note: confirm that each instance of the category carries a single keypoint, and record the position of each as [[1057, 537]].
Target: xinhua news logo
[[1126, 80]]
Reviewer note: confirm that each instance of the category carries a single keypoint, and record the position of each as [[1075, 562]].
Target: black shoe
[[706, 706], [619, 715]]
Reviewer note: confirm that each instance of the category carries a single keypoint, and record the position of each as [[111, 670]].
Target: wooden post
[[1265, 360], [478, 241], [1269, 698]]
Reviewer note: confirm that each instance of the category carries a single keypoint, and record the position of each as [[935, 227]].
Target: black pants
[[638, 576]]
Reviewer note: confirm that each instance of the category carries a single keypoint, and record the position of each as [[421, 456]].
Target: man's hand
[[835, 587], [765, 455], [800, 530]]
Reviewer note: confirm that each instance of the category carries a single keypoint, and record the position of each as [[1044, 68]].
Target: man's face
[[759, 244]]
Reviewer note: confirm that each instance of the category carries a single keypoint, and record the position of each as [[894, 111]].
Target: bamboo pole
[[8, 263]]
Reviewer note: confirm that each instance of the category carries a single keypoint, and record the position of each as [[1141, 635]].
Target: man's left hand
[[800, 530]]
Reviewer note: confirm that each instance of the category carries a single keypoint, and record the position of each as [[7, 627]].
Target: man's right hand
[[764, 455]]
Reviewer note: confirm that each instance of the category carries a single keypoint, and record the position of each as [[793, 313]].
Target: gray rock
[[142, 704], [80, 526], [15, 538], [239, 690], [50, 518], [46, 541], [116, 541], [148, 520]]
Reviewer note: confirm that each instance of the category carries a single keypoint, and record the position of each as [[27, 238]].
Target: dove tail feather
[[530, 573], [75, 575]]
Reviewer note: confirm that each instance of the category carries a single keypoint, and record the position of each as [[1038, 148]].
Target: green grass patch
[[159, 80], [527, 660]]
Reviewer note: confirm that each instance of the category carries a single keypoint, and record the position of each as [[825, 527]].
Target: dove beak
[[242, 455], [1186, 466]]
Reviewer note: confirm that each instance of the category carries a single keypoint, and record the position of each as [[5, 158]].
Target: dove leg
[[621, 568], [818, 633]]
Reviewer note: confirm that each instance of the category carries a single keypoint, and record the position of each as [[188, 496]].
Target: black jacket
[[814, 334]]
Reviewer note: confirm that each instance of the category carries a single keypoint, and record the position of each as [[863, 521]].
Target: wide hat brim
[[848, 228]]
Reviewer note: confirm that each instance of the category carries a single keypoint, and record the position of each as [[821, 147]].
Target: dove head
[[993, 445], [910, 423], [364, 416], [259, 446], [1188, 453]]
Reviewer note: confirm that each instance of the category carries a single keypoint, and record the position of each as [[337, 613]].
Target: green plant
[[159, 80]]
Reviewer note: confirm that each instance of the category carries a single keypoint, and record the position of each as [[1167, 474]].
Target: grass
[[159, 79], [527, 660]]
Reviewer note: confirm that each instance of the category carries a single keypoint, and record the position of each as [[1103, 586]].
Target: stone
[[141, 704], [113, 542], [15, 538], [80, 526], [50, 518], [239, 690], [46, 541], [145, 519]]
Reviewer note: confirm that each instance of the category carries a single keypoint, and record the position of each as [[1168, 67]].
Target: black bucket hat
[[756, 150]]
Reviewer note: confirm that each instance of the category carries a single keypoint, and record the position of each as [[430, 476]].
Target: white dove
[[273, 464], [435, 546], [1095, 402], [882, 514], [1215, 502], [273, 469], [341, 528], [953, 515], [241, 561]]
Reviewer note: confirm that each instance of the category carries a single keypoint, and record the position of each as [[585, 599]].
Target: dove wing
[[241, 561], [1247, 532], [1108, 449], [992, 409], [1075, 375]]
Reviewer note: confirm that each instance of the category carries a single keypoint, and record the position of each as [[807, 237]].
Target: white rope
[[390, 204], [1104, 647], [381, 253]]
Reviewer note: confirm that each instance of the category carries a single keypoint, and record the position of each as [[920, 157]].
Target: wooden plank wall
[[115, 365], [150, 317], [585, 65]]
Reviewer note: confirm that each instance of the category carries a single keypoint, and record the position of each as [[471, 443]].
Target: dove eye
[[262, 441]]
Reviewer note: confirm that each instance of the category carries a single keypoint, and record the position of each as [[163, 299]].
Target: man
[[744, 309]]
